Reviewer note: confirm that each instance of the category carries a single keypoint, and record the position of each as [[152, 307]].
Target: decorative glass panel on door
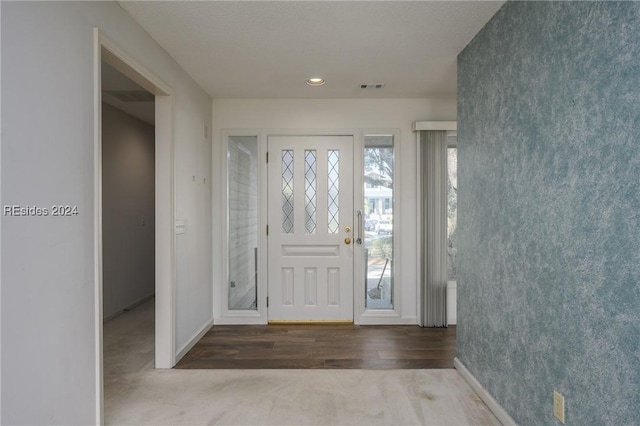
[[333, 180], [287, 191], [378, 221], [310, 191]]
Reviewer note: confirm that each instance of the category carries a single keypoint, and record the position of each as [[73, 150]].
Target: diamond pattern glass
[[287, 191], [310, 191], [333, 158]]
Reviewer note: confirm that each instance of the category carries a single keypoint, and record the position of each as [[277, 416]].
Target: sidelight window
[[242, 200], [378, 220]]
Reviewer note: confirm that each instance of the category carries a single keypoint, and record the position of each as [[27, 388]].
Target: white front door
[[310, 202]]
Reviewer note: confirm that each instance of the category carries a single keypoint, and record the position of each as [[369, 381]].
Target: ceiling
[[121, 92], [268, 49]]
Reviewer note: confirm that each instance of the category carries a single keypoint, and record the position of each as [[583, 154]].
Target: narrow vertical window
[[452, 212], [310, 191], [378, 220], [242, 201], [287, 191], [333, 159]]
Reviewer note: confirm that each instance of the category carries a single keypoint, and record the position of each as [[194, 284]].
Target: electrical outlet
[[558, 406]]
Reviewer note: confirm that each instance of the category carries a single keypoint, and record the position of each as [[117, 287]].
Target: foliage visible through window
[[378, 221], [452, 212]]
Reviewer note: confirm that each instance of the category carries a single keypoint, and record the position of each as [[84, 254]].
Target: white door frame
[[165, 353], [361, 315]]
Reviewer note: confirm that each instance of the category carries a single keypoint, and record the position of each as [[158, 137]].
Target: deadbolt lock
[[347, 229]]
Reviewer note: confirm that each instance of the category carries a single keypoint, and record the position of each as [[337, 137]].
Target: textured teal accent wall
[[549, 210]]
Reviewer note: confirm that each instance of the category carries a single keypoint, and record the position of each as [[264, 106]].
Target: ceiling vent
[[372, 86], [131, 95]]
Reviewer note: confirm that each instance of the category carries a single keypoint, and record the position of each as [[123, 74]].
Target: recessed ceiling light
[[316, 81]]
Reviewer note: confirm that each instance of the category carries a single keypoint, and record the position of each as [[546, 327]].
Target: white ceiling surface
[[267, 49], [114, 80]]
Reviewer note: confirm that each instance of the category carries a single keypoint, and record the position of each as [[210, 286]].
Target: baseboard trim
[[193, 340], [129, 308], [489, 400], [240, 320], [372, 319]]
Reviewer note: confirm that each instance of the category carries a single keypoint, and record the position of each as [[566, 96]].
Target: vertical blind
[[433, 175]]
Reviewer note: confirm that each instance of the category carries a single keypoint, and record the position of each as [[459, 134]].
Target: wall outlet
[[558, 406]]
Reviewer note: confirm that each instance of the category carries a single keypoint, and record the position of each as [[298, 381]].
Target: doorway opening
[[128, 222], [134, 229]]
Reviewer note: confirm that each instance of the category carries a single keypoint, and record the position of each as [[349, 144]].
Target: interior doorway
[[128, 193], [127, 223], [134, 197]]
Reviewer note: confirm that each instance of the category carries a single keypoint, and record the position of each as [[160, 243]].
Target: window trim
[[221, 305], [451, 128], [380, 316]]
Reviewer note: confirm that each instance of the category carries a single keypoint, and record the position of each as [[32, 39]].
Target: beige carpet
[[137, 394]]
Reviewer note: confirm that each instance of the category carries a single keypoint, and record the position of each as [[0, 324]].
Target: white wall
[[128, 210], [193, 207], [335, 114], [47, 296]]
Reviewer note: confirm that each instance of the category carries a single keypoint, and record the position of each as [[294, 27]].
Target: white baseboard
[[386, 320], [489, 400], [193, 340], [240, 320], [128, 308]]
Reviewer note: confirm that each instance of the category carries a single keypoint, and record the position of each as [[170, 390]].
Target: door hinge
[[267, 301], [267, 229], [267, 157]]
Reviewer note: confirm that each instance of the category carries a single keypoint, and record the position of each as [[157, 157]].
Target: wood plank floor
[[323, 346]]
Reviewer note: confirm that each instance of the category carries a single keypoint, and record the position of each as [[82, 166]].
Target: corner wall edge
[[486, 397]]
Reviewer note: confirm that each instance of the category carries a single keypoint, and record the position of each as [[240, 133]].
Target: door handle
[[359, 220], [347, 241]]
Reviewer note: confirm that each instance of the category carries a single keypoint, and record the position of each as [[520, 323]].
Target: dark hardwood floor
[[323, 346]]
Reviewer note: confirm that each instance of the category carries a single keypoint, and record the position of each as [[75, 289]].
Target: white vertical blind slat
[[433, 169]]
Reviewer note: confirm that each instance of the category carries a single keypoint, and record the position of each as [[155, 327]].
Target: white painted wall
[[334, 114], [48, 333], [193, 207], [128, 210]]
